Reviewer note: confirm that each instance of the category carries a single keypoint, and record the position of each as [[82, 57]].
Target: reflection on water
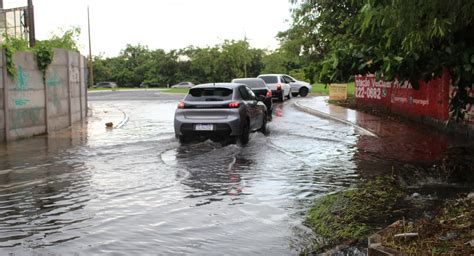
[[135, 190], [44, 188]]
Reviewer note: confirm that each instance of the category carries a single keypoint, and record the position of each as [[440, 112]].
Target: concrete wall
[[35, 106]]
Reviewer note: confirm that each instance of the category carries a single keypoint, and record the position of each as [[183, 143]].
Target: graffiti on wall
[[21, 84], [22, 79], [74, 75], [20, 117], [53, 80], [25, 113]]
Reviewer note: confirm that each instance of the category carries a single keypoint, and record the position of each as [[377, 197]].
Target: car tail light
[[181, 105], [278, 86], [269, 94], [234, 104]]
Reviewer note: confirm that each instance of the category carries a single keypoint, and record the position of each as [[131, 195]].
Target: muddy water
[[135, 190]]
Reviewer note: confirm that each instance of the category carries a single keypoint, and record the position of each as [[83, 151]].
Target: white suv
[[297, 87], [280, 88]]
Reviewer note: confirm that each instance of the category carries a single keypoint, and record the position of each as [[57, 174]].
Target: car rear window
[[269, 79], [252, 84], [209, 94]]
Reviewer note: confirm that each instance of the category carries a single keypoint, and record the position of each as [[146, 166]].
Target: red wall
[[430, 100]]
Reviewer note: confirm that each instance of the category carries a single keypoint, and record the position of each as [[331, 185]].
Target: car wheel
[[303, 91], [232, 139], [288, 96], [215, 138], [263, 129], [281, 98], [183, 139], [269, 115], [294, 94], [244, 138]]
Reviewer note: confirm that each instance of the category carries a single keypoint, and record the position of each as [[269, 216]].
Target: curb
[[314, 112], [124, 120]]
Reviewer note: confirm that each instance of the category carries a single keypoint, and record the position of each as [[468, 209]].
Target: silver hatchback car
[[220, 109]]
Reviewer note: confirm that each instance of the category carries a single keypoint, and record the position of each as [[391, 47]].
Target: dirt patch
[[449, 233]]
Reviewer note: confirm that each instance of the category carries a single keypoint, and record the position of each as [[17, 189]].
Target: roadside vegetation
[[353, 214], [66, 39]]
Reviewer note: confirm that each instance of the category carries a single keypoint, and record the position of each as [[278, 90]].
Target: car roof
[[249, 79], [270, 75], [220, 85]]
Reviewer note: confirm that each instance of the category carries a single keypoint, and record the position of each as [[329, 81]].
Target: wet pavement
[[396, 142], [135, 190]]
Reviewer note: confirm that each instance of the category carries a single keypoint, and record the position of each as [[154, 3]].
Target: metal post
[[91, 71], [31, 23]]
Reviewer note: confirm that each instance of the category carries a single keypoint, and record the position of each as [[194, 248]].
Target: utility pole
[[31, 23], [91, 71], [245, 56]]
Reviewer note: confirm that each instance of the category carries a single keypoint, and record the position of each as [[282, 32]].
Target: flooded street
[[135, 190]]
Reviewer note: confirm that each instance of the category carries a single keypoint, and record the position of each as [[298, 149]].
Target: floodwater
[[135, 190]]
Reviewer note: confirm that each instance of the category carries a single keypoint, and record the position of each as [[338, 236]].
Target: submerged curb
[[124, 120], [318, 113]]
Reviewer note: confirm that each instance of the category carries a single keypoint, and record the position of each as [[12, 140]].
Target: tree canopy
[[402, 39], [220, 63]]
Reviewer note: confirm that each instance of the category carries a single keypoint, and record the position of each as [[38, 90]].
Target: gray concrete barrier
[[31, 105]]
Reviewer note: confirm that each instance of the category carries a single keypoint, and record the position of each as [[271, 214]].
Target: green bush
[[43, 49]]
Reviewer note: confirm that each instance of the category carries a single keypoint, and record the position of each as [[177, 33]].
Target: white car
[[280, 88], [300, 88], [183, 85], [106, 85]]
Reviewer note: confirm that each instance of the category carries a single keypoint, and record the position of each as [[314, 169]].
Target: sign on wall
[[430, 100]]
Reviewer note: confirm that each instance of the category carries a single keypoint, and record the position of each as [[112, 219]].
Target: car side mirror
[[260, 98]]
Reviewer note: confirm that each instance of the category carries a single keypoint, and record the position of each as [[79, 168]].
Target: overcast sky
[[165, 24]]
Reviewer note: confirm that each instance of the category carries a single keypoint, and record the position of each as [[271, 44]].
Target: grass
[[119, 89], [175, 90], [165, 90], [353, 214], [322, 89]]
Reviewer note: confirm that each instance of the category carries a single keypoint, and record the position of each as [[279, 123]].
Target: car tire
[[244, 137], [288, 96], [281, 98], [183, 139], [303, 91], [294, 94], [263, 129]]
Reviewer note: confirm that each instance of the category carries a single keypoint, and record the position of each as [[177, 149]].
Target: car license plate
[[204, 127]]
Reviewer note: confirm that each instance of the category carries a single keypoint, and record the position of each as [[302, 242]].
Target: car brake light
[[234, 104], [181, 105], [278, 86], [269, 94]]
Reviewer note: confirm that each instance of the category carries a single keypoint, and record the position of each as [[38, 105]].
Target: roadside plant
[[43, 49]]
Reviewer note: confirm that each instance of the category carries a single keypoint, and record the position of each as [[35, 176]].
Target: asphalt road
[[135, 190]]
